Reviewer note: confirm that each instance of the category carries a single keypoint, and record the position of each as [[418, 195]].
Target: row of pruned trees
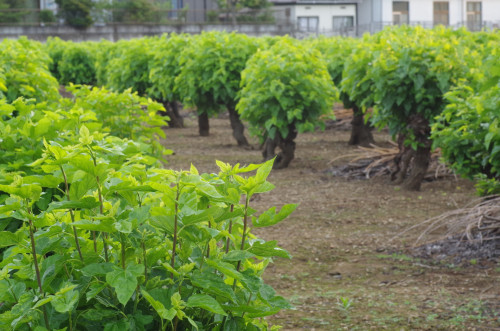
[[401, 78]]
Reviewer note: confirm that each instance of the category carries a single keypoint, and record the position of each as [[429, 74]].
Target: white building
[[319, 16], [350, 17]]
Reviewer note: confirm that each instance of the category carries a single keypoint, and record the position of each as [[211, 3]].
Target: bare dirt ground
[[351, 269]]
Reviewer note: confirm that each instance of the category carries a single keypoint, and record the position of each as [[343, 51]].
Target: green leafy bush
[[125, 115], [409, 70], [106, 241], [337, 51], [164, 67], [468, 130], [77, 65], [210, 76], [24, 67], [55, 47], [129, 67], [25, 124], [105, 52], [285, 90]]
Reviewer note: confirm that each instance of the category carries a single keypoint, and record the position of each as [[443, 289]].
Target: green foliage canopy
[[285, 85]]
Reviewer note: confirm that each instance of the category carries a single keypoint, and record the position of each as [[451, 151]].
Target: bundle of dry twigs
[[379, 161], [477, 222]]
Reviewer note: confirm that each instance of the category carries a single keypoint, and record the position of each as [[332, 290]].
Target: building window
[[474, 15], [308, 23], [343, 23], [441, 13], [400, 12]]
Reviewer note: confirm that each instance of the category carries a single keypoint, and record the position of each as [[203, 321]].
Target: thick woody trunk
[[238, 127], [419, 168], [286, 145], [203, 124], [172, 111], [360, 132], [412, 165]]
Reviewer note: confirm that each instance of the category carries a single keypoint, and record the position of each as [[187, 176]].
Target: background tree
[[468, 130], [25, 71], [285, 89], [164, 67], [210, 76], [77, 64], [11, 11], [412, 70], [232, 6], [76, 13], [131, 11], [129, 67], [337, 51]]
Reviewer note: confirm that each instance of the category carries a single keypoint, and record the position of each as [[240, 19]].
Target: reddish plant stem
[[71, 212], [37, 269], [172, 263]]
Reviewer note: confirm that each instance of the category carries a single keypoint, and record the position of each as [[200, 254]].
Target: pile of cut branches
[[464, 234], [378, 161], [343, 118]]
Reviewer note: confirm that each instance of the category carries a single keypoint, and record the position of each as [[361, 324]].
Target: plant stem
[[143, 245], [243, 237], [71, 212], [245, 225], [208, 245], [101, 203], [95, 241], [122, 244], [172, 263], [70, 321], [228, 241], [37, 269], [105, 247]]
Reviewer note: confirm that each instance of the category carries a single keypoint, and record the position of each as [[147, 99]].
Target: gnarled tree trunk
[[360, 132], [172, 111], [203, 124], [238, 127], [286, 145], [416, 161]]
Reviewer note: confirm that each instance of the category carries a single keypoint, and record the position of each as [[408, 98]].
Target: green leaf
[[94, 289], [8, 238], [238, 255], [213, 284], [268, 249], [264, 171], [29, 191], [224, 267], [269, 217], [166, 314], [99, 314], [65, 302], [206, 302], [201, 186], [80, 186], [124, 282], [85, 137], [203, 216], [95, 269], [84, 203], [104, 225]]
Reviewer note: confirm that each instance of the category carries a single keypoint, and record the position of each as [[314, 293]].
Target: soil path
[[350, 269]]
